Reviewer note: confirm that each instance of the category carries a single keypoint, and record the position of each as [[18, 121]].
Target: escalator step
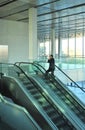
[[50, 110], [29, 86], [67, 101], [41, 101], [66, 127], [57, 92], [26, 82], [60, 123], [77, 112], [53, 117], [33, 91], [37, 95], [47, 106], [83, 118], [53, 114], [57, 120]]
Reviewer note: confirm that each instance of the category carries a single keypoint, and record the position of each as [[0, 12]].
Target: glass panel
[[72, 46], [41, 50], [47, 48], [56, 53], [44, 49], [64, 47], [79, 45]]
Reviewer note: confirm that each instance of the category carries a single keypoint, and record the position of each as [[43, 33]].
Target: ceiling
[[62, 15]]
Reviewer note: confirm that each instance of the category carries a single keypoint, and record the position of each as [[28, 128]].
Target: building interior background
[[58, 29]]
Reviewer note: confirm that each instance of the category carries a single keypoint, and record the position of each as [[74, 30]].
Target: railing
[[30, 67], [37, 67]]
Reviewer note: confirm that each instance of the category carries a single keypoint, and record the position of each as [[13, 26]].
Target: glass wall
[[56, 48], [79, 46], [44, 48], [71, 46], [64, 51]]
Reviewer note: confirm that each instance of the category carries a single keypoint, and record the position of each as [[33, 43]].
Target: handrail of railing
[[36, 64], [7, 63], [24, 73], [15, 64], [32, 63], [39, 65]]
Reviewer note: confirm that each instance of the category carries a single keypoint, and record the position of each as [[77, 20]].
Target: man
[[51, 62]]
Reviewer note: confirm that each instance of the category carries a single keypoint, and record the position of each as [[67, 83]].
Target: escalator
[[54, 114], [60, 91], [66, 96], [28, 94]]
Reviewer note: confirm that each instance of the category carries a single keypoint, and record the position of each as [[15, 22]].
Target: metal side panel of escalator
[[15, 117]]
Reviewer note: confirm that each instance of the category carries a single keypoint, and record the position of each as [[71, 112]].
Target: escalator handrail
[[39, 65], [32, 63], [24, 73]]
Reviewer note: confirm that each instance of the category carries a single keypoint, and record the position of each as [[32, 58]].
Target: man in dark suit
[[51, 62]]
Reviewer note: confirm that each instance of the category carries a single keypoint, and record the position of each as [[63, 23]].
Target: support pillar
[[53, 45], [33, 52]]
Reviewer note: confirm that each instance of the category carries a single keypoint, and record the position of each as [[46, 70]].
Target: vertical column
[[33, 34], [53, 42], [59, 47]]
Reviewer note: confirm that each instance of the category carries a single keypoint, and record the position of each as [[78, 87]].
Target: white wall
[[15, 35]]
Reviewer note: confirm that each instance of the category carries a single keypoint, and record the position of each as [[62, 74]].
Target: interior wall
[[15, 35]]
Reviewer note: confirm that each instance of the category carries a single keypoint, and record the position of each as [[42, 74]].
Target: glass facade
[[71, 46]]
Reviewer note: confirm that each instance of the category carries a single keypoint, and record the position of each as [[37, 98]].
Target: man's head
[[50, 56]]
